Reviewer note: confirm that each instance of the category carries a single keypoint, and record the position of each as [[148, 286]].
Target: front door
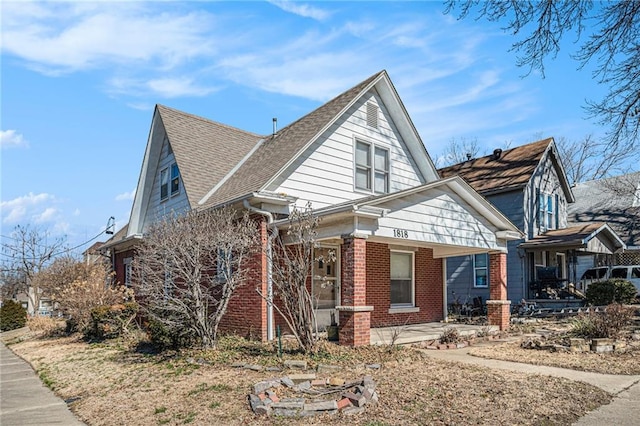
[[326, 283]]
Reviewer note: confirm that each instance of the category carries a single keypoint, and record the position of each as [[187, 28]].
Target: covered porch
[[391, 252], [415, 333], [552, 259]]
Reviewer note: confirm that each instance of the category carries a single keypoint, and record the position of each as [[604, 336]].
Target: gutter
[[274, 232]]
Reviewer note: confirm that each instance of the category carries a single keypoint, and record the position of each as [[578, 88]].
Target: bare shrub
[[450, 335], [292, 267], [188, 267], [46, 325], [606, 324]]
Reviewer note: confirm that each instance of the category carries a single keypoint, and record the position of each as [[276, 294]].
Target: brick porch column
[[354, 315], [498, 307]]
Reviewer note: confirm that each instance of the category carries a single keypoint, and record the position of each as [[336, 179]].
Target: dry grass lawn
[[109, 384]]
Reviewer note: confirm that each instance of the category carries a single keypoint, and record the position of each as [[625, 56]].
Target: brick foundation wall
[[428, 287]]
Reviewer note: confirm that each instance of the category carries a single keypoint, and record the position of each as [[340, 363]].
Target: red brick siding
[[119, 265], [247, 313], [428, 287]]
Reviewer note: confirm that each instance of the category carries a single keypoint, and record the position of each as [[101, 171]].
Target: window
[[619, 273], [127, 271], [224, 265], [545, 211], [480, 270], [372, 176], [175, 179], [635, 273], [402, 279], [164, 183]]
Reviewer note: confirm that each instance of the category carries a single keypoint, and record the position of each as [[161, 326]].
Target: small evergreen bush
[[12, 316], [611, 291], [110, 322], [164, 338]]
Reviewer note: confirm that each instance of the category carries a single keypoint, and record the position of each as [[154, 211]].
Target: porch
[[415, 333]]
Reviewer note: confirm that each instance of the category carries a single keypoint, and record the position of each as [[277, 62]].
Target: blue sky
[[79, 82]]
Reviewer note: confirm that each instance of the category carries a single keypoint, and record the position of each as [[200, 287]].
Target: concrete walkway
[[24, 400], [624, 410]]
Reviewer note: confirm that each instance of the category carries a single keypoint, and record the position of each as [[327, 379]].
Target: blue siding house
[[529, 186]]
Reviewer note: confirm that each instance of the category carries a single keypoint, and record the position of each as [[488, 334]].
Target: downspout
[[270, 237], [444, 292]]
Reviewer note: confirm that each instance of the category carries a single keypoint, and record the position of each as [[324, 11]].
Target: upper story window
[[164, 183], [480, 270], [169, 179], [175, 179], [372, 168], [546, 211]]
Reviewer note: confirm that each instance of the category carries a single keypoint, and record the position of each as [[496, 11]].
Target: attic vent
[[372, 115]]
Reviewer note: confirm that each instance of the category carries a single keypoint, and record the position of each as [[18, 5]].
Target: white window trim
[[398, 307], [164, 170], [372, 169], [128, 270], [173, 193], [475, 268]]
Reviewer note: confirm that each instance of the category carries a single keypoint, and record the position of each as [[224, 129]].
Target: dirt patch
[[110, 384]]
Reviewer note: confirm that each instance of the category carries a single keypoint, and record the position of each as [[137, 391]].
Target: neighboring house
[[93, 254], [360, 162], [527, 184], [615, 201]]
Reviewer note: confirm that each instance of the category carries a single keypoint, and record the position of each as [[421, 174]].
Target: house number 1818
[[401, 233]]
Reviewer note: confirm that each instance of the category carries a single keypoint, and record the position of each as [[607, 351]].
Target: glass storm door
[[326, 282]]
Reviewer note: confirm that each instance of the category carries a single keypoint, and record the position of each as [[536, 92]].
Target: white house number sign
[[400, 233]]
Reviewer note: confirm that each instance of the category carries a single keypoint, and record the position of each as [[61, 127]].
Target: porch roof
[[446, 215], [592, 237]]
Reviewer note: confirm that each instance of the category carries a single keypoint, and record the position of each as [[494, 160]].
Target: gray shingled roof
[[205, 150], [614, 201], [511, 170], [277, 151]]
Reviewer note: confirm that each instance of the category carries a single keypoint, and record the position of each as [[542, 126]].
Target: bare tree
[[589, 159], [611, 32], [188, 267], [29, 251], [293, 258], [459, 150]]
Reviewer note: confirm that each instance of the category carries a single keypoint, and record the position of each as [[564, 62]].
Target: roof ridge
[[208, 120], [366, 80], [504, 152]]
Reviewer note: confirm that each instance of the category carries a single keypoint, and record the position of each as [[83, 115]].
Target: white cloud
[[302, 9], [62, 37], [163, 87], [12, 139], [26, 208], [126, 196], [47, 215]]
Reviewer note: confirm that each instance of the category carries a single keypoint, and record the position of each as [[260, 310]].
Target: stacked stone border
[[309, 395]]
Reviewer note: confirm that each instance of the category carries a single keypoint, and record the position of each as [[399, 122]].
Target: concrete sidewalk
[[624, 410], [24, 400]]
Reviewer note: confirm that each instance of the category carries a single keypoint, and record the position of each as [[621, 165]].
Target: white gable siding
[[176, 203], [441, 218], [324, 175]]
